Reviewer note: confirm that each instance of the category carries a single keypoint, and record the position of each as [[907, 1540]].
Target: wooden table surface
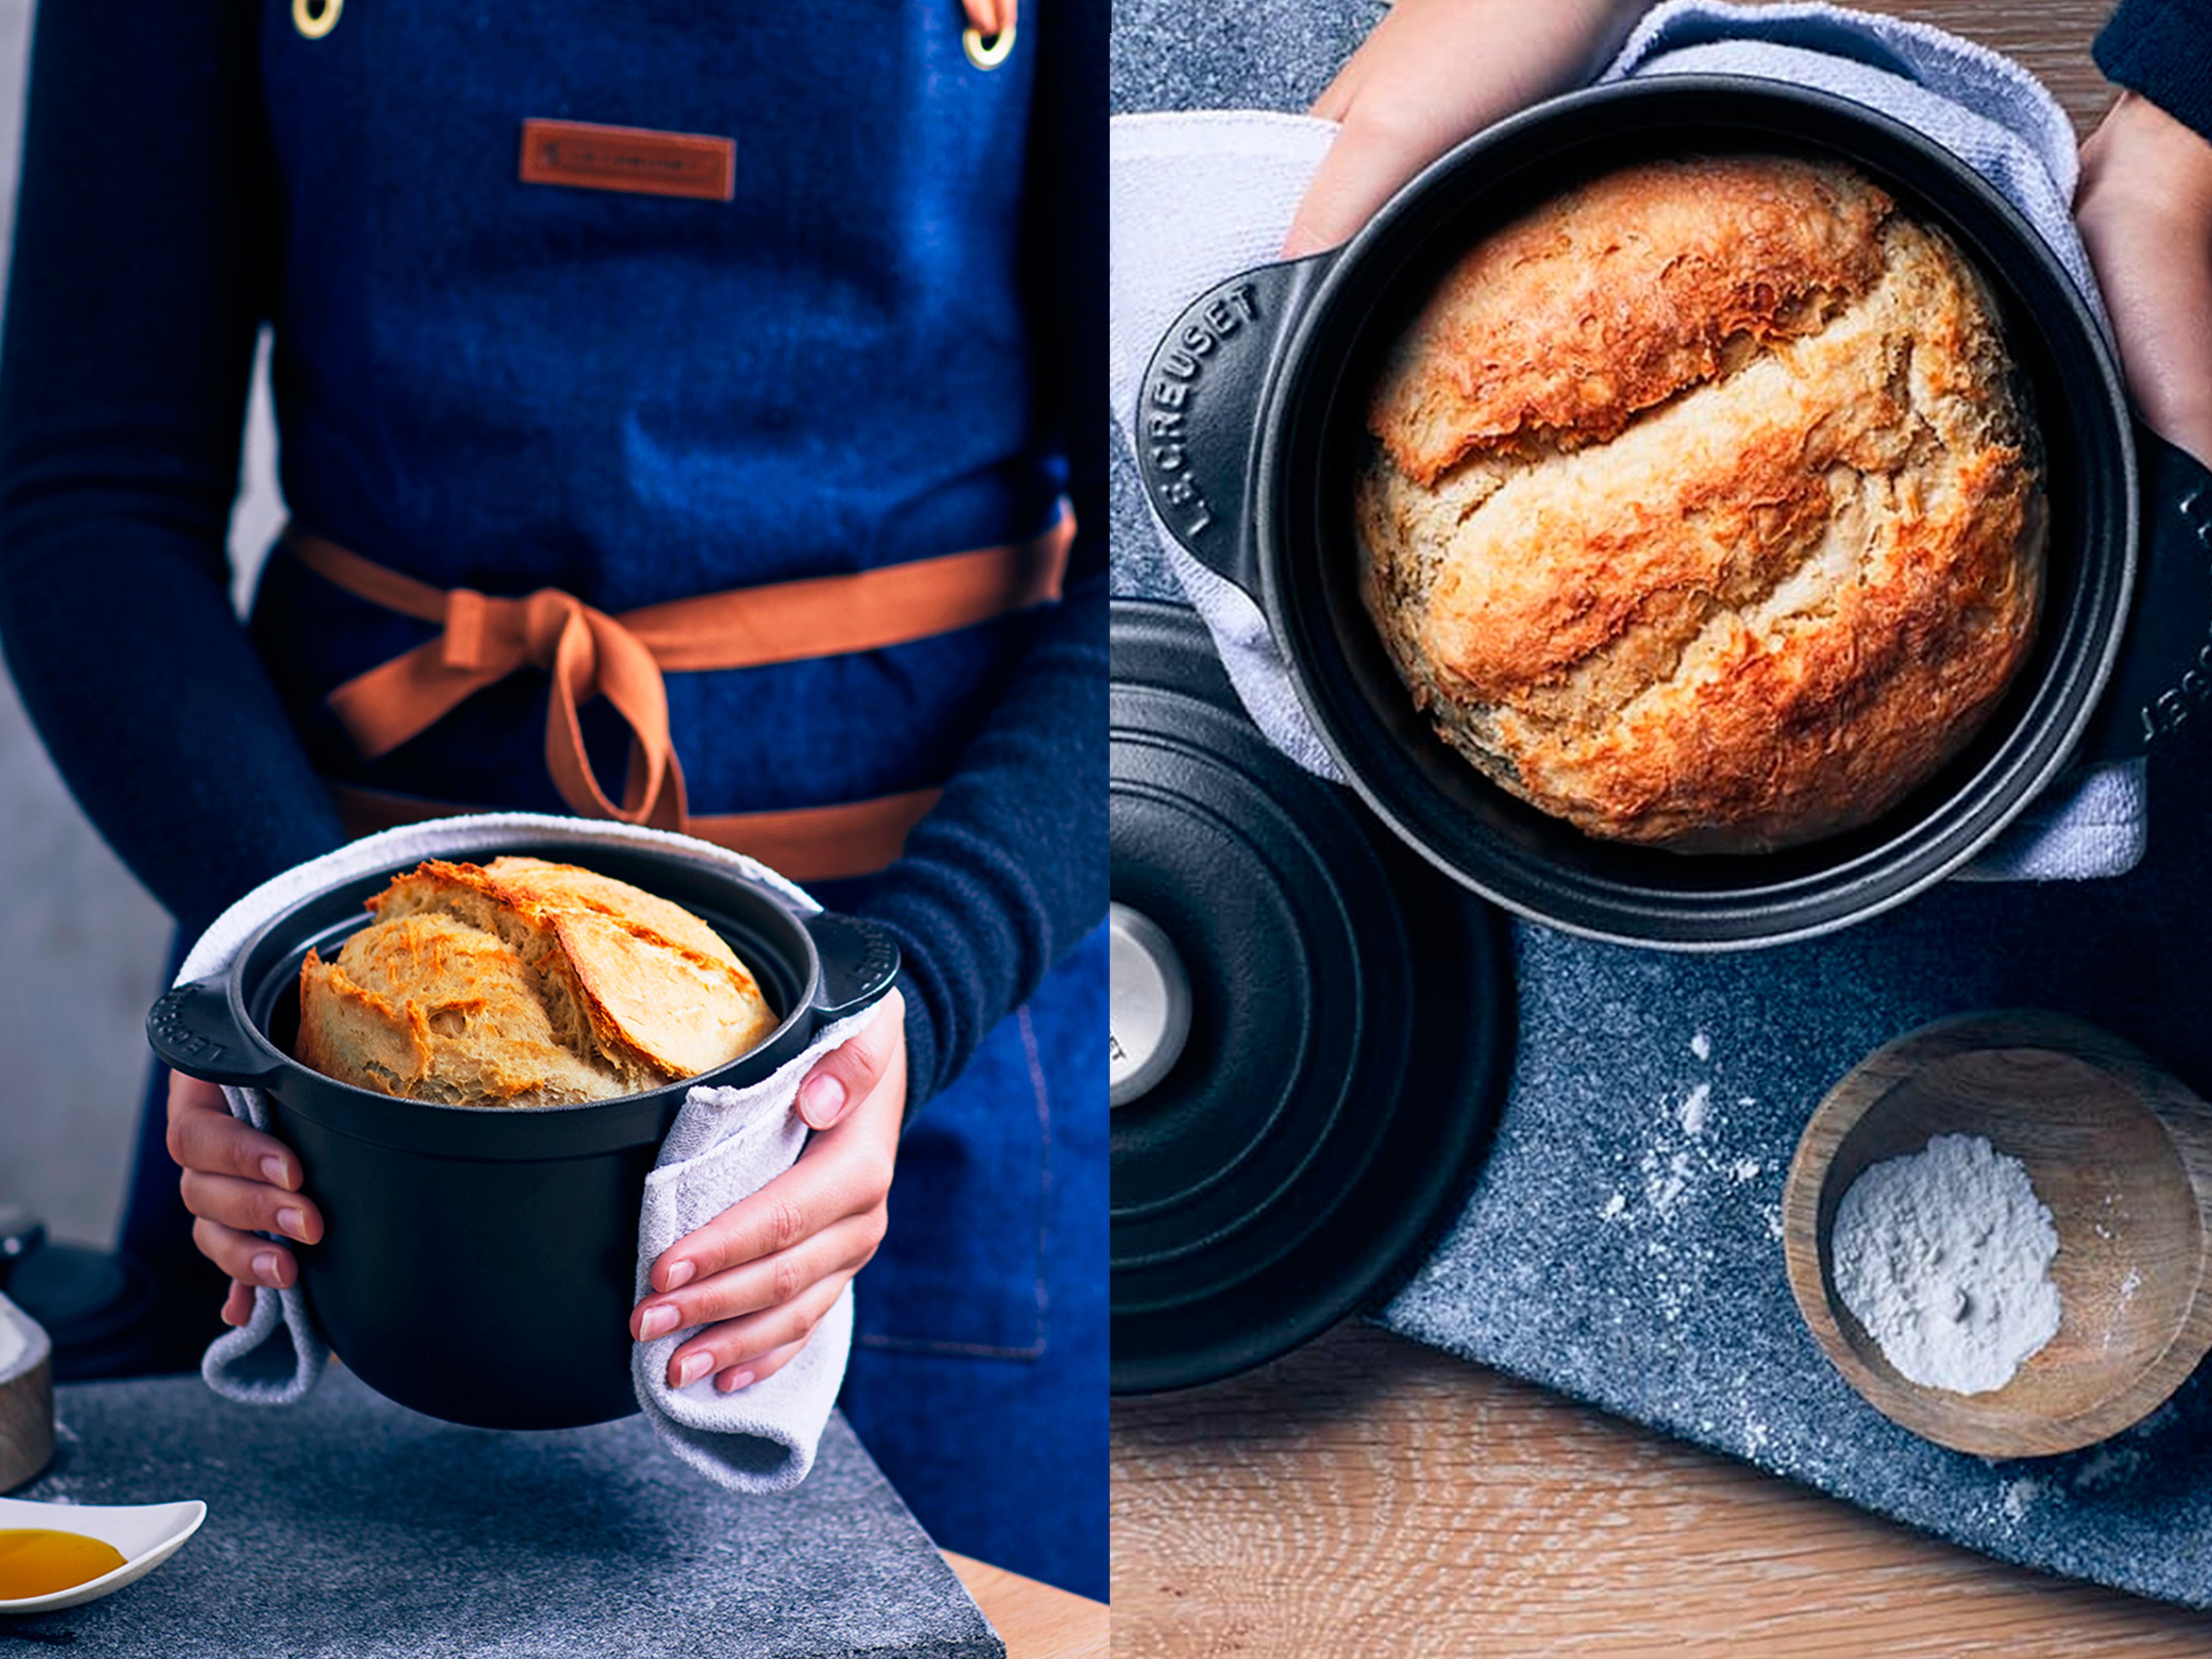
[[1036, 1621], [1370, 1496]]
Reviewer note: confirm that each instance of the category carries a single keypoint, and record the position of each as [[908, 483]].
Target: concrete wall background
[[83, 945]]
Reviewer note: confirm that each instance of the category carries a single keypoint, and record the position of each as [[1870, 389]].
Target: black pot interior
[[1539, 865], [768, 938]]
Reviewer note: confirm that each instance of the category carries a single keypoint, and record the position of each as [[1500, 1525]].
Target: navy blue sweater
[[2163, 50], [884, 347]]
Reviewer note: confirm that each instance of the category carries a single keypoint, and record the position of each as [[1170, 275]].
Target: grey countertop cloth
[[349, 1528], [1613, 1251]]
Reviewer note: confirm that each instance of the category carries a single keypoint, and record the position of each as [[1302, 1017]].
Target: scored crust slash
[[633, 159]]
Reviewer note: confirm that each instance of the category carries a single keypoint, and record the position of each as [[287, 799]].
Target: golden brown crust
[[524, 982], [1617, 296], [1757, 615], [427, 1008]]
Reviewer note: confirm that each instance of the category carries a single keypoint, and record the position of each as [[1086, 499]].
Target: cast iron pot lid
[[1310, 1031]]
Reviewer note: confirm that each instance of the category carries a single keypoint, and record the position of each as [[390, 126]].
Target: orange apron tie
[[588, 653]]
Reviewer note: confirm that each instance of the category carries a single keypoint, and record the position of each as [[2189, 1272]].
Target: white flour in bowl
[[1945, 1257], [12, 1342]]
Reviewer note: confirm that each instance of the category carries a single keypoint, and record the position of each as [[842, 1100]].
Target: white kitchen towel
[[1197, 197], [725, 1145]]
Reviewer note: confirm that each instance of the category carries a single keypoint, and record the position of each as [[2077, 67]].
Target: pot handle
[[860, 963], [2164, 674], [1198, 411], [192, 1030]]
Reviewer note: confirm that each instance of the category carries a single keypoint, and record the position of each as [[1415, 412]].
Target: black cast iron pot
[[478, 1263], [1251, 425]]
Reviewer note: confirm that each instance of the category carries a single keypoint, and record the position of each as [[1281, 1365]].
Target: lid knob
[[1149, 1006]]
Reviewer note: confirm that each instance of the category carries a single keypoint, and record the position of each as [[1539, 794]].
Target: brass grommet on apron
[[987, 52], [316, 18]]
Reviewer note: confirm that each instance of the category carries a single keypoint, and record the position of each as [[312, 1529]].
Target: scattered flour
[[2108, 1467], [1664, 1183], [1613, 1206], [1944, 1256], [12, 1343], [1697, 1109], [1702, 1046], [2021, 1494], [1747, 1169]]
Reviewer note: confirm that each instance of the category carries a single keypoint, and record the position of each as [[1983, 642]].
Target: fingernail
[[658, 1321], [820, 1101], [692, 1367], [680, 1275], [265, 1266], [293, 1223], [274, 1172], [731, 1382]]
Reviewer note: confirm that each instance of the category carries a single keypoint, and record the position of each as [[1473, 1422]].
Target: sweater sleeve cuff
[[921, 1055], [2163, 50]]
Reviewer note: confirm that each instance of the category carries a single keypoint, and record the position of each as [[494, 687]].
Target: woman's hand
[[762, 1274], [1432, 73], [238, 1181], [2145, 209]]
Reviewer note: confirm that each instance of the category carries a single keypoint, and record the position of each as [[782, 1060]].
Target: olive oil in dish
[[40, 1561]]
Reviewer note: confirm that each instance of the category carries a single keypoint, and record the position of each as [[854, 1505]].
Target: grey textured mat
[[1622, 1243], [349, 1528]]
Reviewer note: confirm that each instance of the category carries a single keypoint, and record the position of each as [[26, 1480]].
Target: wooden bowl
[[2119, 1151], [27, 1396]]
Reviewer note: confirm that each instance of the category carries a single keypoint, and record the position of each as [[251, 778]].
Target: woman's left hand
[[1433, 72], [761, 1275]]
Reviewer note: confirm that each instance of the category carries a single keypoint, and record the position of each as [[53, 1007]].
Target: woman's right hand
[[238, 1182]]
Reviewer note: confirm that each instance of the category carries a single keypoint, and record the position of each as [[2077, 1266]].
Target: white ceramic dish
[[146, 1534]]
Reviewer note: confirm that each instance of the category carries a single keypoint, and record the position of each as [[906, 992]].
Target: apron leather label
[[633, 159]]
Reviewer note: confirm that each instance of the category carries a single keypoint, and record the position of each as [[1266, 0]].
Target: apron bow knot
[[484, 638]]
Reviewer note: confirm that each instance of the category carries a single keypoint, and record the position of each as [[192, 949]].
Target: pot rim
[[1970, 815], [800, 1011]]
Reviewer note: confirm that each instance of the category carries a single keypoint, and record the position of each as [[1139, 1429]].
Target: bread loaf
[[525, 983], [1703, 511]]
